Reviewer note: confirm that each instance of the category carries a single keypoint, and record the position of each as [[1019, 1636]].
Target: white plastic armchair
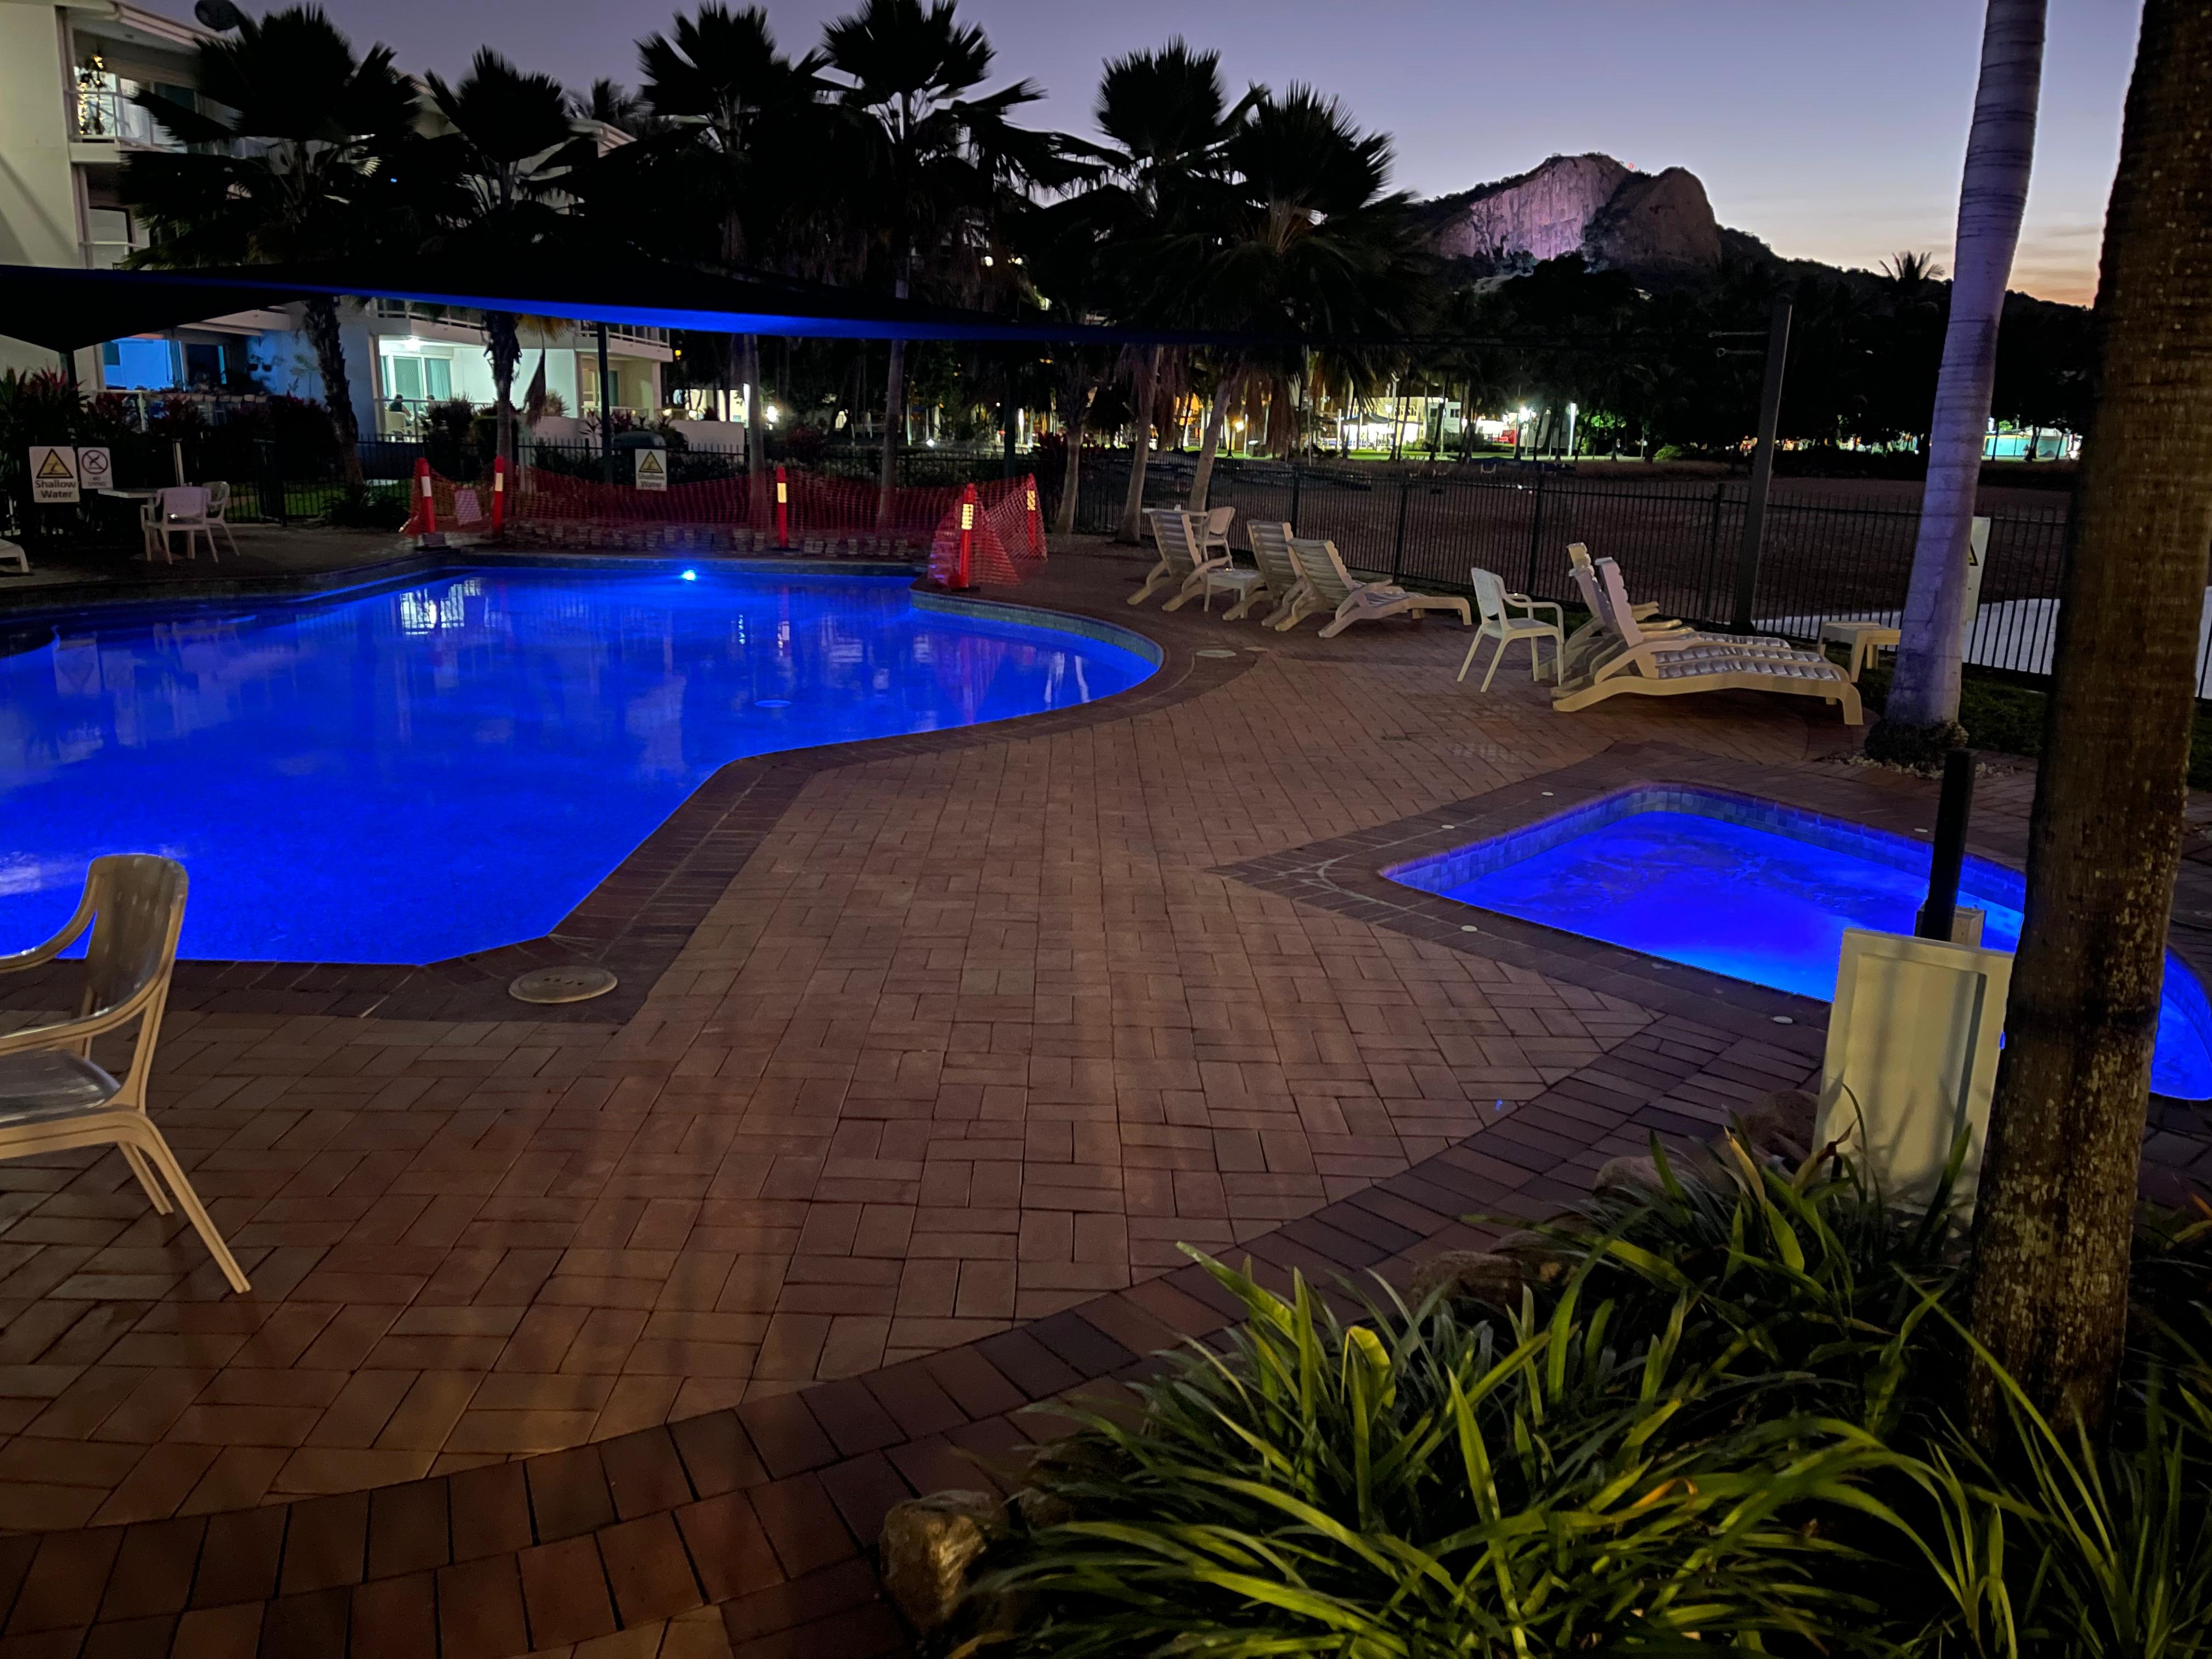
[[181, 510], [1497, 607], [53, 1096]]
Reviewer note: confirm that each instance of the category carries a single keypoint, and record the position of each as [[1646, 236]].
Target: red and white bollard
[[967, 538], [1034, 520], [782, 509], [426, 506], [498, 494]]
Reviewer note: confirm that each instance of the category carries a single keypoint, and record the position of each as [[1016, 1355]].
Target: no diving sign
[[54, 475]]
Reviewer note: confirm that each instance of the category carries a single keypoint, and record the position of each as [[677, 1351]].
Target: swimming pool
[[442, 768], [1757, 891]]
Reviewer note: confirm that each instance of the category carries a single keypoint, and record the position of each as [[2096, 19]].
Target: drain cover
[[562, 985], [1214, 651]]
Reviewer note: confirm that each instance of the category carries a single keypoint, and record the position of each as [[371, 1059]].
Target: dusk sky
[[1834, 132]]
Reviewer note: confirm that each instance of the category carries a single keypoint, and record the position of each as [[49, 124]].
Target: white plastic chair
[[1219, 519], [218, 506], [53, 1097], [179, 510], [1498, 623], [14, 561]]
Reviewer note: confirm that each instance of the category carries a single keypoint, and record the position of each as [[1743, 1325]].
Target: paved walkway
[[965, 1036]]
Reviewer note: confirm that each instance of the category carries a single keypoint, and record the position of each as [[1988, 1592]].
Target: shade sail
[[65, 309]]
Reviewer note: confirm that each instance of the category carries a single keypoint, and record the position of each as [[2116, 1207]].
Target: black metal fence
[[1825, 557]]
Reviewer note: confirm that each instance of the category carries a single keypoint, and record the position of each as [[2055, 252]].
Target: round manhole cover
[[1215, 651], [562, 985]]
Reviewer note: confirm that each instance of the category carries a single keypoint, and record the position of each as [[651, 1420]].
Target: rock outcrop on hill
[[1654, 224]]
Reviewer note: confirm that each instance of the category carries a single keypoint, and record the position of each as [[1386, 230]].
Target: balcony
[[107, 115]]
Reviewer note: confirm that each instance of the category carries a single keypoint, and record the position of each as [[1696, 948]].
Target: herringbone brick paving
[[974, 1041]]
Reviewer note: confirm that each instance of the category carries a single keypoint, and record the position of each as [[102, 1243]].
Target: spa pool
[[1756, 891]]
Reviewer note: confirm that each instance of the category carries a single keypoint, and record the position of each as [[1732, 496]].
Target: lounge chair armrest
[[40, 954], [1532, 606]]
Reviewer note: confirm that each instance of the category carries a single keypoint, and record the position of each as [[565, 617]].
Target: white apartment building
[[69, 72]]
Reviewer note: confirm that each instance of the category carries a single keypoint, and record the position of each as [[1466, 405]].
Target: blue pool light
[[1755, 891], [422, 772]]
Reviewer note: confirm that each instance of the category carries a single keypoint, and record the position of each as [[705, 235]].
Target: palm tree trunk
[[894, 413], [322, 320], [1228, 392], [503, 344], [1921, 711], [1133, 505], [749, 371], [2058, 1186], [1063, 518]]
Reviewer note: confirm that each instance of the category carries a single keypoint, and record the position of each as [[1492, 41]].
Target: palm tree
[[941, 156], [1306, 242], [2057, 1200], [1921, 717], [1168, 121], [740, 111], [511, 152], [295, 167]]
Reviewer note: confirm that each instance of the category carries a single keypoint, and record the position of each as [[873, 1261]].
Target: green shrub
[[1723, 1414], [1417, 1484]]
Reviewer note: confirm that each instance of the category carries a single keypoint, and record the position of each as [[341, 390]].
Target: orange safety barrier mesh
[[1006, 542], [815, 504]]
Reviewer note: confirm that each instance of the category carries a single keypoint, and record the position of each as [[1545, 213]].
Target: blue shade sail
[[1755, 891], [439, 769]]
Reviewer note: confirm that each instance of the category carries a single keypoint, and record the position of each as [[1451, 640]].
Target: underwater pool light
[[690, 575]]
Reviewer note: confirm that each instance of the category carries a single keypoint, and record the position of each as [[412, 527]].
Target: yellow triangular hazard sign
[[648, 462], [54, 466]]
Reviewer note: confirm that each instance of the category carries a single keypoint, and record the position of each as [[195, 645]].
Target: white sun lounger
[[1332, 584], [1270, 551], [1601, 636], [1183, 563], [1666, 666]]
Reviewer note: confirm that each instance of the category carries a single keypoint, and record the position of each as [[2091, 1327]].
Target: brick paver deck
[[565, 1330]]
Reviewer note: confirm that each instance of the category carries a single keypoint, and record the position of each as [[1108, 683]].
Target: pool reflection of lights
[[1756, 891]]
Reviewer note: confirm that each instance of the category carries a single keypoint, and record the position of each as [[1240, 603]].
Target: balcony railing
[[107, 115]]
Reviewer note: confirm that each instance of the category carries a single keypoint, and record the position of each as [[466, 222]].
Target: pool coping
[[1345, 875], [638, 919]]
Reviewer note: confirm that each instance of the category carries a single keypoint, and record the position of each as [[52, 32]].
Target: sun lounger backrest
[[1270, 551], [1323, 571], [1622, 615], [1177, 535]]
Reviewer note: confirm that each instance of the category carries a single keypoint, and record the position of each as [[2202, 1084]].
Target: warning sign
[[651, 469], [53, 474], [95, 468]]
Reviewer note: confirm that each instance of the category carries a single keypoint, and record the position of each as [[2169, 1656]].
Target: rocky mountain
[[1655, 224]]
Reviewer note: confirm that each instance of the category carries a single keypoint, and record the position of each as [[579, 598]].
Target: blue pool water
[[1758, 892], [427, 771]]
